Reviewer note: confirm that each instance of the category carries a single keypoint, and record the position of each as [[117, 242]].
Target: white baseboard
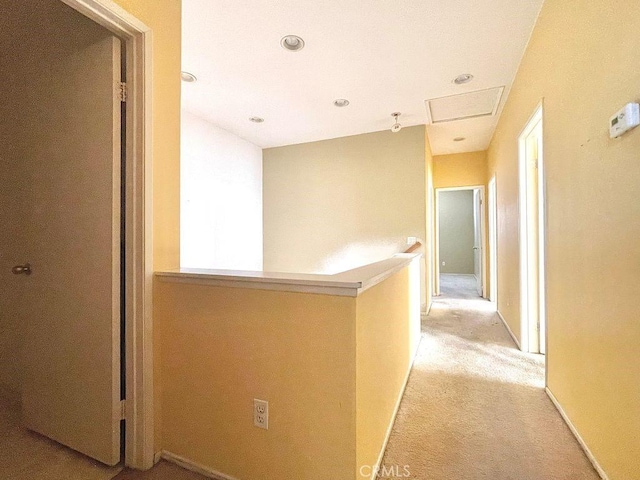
[[506, 325], [573, 429], [156, 457], [376, 468], [194, 467]]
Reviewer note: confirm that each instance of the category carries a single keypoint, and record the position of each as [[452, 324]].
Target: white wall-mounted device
[[624, 120]]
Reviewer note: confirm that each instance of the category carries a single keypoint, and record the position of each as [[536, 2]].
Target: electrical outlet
[[261, 413], [444, 263]]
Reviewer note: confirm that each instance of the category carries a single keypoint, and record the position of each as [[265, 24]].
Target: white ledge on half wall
[[347, 284]]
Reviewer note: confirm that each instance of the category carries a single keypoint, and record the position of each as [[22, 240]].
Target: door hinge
[[122, 91], [123, 409]]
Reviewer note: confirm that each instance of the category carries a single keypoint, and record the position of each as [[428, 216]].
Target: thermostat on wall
[[624, 120]]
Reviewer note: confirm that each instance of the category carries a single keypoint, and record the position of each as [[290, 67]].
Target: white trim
[[195, 467], [506, 325], [349, 284], [139, 448], [492, 220], [483, 234], [529, 340], [387, 436], [580, 440]]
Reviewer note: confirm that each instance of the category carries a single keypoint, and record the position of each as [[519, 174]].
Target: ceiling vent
[[482, 103]]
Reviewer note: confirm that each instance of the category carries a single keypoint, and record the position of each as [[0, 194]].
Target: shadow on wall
[[362, 253]]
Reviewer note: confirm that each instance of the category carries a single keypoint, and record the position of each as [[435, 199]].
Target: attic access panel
[[481, 103]]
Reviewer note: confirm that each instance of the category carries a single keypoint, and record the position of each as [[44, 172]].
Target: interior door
[[477, 239], [71, 384]]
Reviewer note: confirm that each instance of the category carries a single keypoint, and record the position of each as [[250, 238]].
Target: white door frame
[[436, 255], [136, 36], [528, 326], [492, 204]]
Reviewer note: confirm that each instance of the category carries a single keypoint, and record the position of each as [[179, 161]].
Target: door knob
[[20, 269]]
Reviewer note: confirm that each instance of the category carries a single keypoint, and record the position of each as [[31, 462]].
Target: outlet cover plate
[[261, 413]]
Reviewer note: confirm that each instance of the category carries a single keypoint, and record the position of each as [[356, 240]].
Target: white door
[[493, 242], [477, 239], [532, 235], [71, 387]]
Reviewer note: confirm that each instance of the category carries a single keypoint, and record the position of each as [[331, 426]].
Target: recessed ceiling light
[[341, 102], [256, 119], [293, 43], [459, 139], [464, 78], [188, 77]]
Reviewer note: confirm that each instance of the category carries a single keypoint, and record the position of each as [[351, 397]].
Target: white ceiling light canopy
[[188, 77], [341, 102], [293, 43], [396, 126], [462, 79]]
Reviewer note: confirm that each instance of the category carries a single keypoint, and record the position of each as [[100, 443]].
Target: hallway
[[475, 405]]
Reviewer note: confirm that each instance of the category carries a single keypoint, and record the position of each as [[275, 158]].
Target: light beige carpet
[[475, 406], [25, 455]]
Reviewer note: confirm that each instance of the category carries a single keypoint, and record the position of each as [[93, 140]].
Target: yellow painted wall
[[332, 369], [223, 347], [460, 169], [164, 17], [387, 335], [583, 61], [463, 170]]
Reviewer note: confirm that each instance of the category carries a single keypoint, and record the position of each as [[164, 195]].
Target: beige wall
[[318, 360], [333, 205], [584, 75], [457, 231]]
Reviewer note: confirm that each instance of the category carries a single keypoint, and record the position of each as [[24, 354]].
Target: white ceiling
[[382, 55]]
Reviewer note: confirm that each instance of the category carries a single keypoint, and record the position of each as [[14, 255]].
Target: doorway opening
[[76, 220], [460, 260], [492, 204], [531, 201]]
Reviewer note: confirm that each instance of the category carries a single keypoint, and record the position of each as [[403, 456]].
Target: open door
[[477, 240], [71, 226]]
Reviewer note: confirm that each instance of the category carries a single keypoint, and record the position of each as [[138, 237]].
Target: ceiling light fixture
[[462, 79], [341, 102], [188, 77], [459, 139], [293, 43], [256, 119], [396, 126]]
